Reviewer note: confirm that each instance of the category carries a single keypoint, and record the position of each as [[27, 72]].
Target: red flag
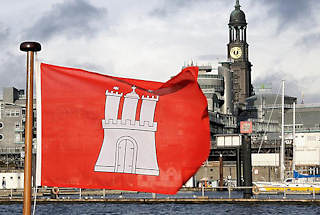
[[98, 131]]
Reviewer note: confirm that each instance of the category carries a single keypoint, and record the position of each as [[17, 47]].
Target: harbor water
[[114, 209], [75, 208]]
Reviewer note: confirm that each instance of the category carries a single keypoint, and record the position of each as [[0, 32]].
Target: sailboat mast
[[293, 136], [282, 149]]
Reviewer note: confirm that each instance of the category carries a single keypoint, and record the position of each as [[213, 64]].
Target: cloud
[[291, 12], [171, 7], [5, 37], [73, 19], [4, 34], [309, 41], [140, 40], [14, 73], [210, 57]]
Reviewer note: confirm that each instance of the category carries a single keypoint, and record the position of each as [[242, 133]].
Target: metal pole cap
[[30, 46]]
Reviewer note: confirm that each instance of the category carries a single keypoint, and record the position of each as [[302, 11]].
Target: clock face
[[235, 52]]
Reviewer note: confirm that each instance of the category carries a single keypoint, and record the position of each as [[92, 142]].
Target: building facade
[[12, 123]]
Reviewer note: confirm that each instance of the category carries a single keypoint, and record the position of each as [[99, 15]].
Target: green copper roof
[[237, 16]]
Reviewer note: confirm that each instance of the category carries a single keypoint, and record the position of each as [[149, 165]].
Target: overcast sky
[[153, 39]]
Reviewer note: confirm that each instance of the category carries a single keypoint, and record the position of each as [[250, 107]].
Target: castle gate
[[126, 155]]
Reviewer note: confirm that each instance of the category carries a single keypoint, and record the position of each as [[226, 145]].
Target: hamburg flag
[[98, 131]]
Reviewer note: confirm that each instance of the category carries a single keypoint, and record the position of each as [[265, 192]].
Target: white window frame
[[17, 137]]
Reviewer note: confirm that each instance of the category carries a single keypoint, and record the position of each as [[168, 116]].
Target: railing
[[276, 106], [287, 106], [10, 150], [225, 192]]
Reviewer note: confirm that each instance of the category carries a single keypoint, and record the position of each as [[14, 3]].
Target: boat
[[300, 183]]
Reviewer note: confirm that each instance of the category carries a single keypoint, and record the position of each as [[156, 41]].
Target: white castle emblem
[[128, 145]]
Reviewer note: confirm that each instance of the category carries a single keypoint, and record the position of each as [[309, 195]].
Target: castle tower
[[239, 56], [147, 110], [130, 106], [112, 105]]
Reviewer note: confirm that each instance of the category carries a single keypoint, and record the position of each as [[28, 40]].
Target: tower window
[[1, 125], [1, 137]]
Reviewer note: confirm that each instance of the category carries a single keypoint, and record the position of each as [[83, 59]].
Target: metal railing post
[[154, 195], [313, 193], [202, 189]]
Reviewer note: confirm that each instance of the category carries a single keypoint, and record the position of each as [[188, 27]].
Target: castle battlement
[[111, 93], [152, 98], [129, 110], [128, 124]]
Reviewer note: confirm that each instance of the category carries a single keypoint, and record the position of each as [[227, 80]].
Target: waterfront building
[[214, 86], [307, 152], [12, 122]]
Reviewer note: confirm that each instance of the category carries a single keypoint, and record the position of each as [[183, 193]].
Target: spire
[[237, 6]]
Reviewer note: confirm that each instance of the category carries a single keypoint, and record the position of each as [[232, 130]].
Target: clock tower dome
[[238, 55]]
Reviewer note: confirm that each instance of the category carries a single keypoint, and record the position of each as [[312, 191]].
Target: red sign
[[99, 131], [245, 127]]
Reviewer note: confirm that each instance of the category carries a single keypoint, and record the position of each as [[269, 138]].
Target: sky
[[153, 39]]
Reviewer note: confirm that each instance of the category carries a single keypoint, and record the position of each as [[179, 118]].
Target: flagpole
[[30, 48]]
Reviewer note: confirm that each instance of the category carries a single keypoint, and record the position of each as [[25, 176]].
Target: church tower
[[238, 56]]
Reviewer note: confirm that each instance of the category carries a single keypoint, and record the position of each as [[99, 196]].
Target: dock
[[184, 196], [167, 201]]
